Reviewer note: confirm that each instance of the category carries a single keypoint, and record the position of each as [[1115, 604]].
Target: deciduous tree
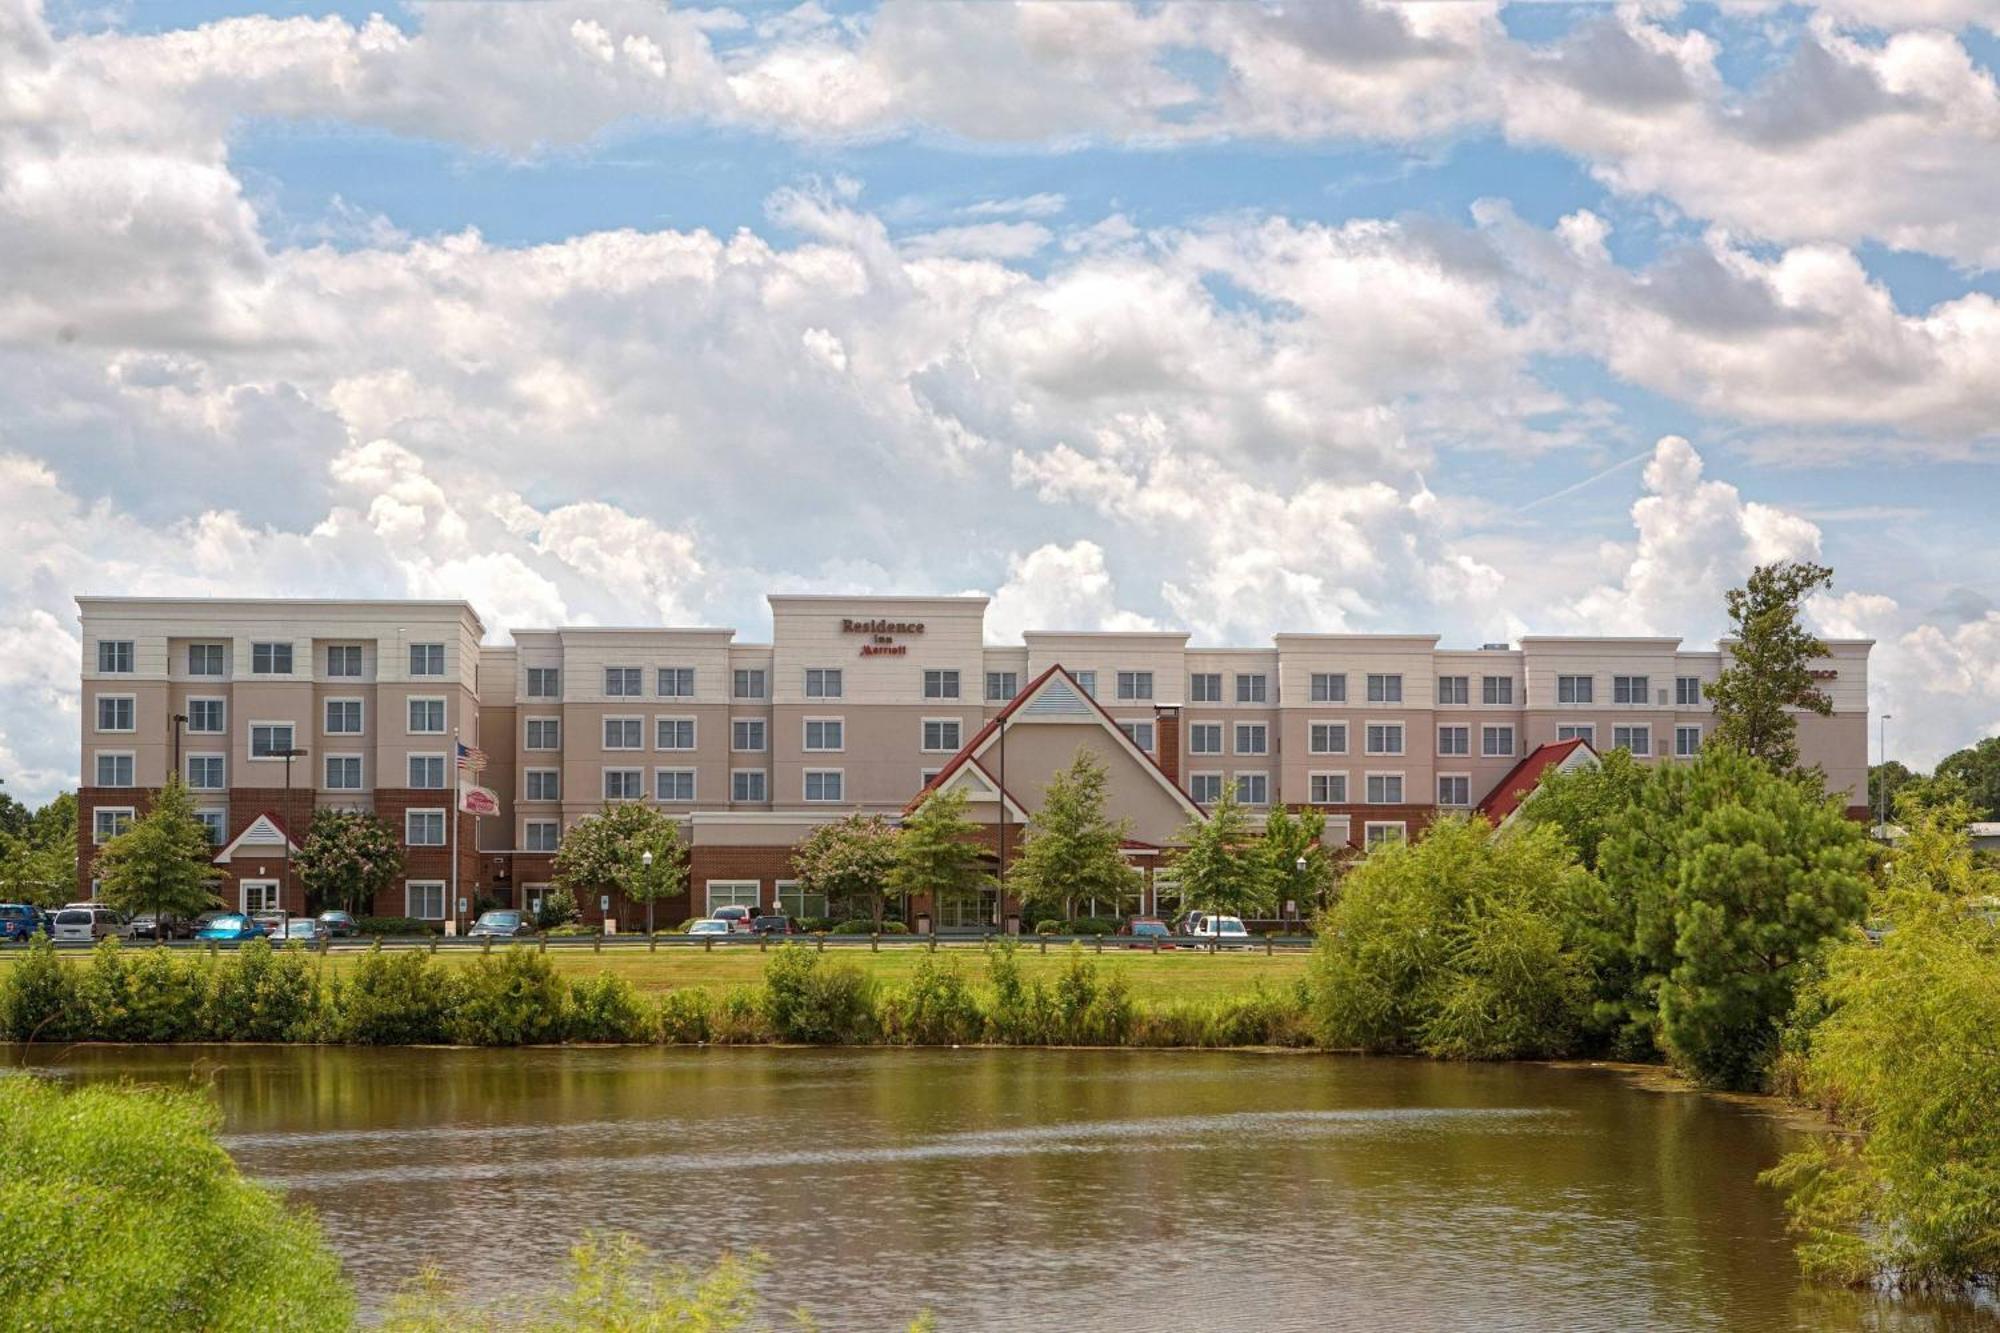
[[1977, 767], [347, 858], [1289, 839], [162, 862], [848, 862], [1072, 850], [1771, 674], [1222, 866], [607, 851], [938, 852]]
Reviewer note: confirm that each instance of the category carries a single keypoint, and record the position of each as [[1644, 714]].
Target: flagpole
[[453, 842]]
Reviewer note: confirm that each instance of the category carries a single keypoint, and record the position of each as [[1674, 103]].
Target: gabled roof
[[266, 830], [1522, 779]]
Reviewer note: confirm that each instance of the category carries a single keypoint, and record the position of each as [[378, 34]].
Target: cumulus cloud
[[1053, 586]]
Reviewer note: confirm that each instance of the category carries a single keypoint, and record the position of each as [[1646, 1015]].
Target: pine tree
[[1771, 674], [162, 862], [1072, 850], [938, 853]]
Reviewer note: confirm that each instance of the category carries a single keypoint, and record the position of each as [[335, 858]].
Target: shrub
[[260, 994], [817, 925], [863, 926], [397, 925], [510, 998], [391, 999], [38, 996], [739, 1019], [1085, 1012], [684, 1016], [575, 929], [1018, 1012], [606, 1008], [1051, 926], [1093, 925], [163, 995], [937, 1008], [558, 908], [808, 999]]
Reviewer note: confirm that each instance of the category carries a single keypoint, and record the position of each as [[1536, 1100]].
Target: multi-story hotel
[[270, 709]]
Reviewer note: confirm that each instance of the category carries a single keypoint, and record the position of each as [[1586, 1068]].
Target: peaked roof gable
[[1522, 779], [265, 831]]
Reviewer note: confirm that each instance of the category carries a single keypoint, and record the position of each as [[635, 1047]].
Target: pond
[[1011, 1189]]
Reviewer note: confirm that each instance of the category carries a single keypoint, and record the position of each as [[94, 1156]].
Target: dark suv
[[773, 924]]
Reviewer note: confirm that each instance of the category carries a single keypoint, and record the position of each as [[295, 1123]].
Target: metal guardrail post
[[1267, 946], [874, 941], [486, 944], [708, 944], [543, 936], [1156, 944], [652, 942], [597, 943], [434, 945]]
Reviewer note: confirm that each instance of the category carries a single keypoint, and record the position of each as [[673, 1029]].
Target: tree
[[347, 858], [1586, 804], [1222, 866], [938, 853], [1978, 767], [1072, 851], [13, 815], [38, 865], [1292, 838], [608, 851], [849, 862], [1771, 671], [1735, 877], [162, 862], [1884, 781]]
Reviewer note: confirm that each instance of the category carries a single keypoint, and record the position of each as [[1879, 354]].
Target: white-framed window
[[542, 733], [542, 784], [1631, 689], [1385, 789], [1139, 733], [1454, 740], [1574, 689], [1375, 835], [117, 712], [1253, 738], [1205, 687], [746, 735], [1002, 685], [1639, 740], [217, 824], [114, 657], [270, 659], [270, 740], [1326, 737], [1135, 684], [795, 902], [343, 661], [1253, 789], [541, 835], [426, 717], [207, 772], [423, 899], [1327, 788], [426, 659], [823, 682], [1454, 789], [823, 784], [624, 784], [624, 682], [1385, 738], [1454, 689], [1204, 738], [926, 776], [343, 717], [1496, 742], [343, 772], [1086, 681], [624, 733], [207, 716], [747, 683], [940, 684], [1329, 687], [673, 784], [1579, 731], [824, 735], [674, 733], [1205, 788], [544, 682], [258, 895], [748, 784], [942, 735], [1385, 688], [1687, 691], [108, 821], [676, 682], [1687, 741], [423, 828], [205, 659], [426, 772], [734, 893], [114, 768], [1252, 687], [1497, 690]]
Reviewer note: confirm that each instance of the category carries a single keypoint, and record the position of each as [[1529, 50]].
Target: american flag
[[471, 759]]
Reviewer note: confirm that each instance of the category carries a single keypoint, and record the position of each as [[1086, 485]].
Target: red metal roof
[[1524, 777]]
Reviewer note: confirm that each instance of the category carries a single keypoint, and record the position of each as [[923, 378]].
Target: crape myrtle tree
[[849, 862], [1072, 849], [1771, 674], [1222, 865], [347, 858], [162, 862], [606, 852], [938, 853]]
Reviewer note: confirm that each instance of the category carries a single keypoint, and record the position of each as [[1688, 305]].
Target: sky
[[1466, 318]]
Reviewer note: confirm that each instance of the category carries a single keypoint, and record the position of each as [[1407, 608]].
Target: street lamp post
[[1882, 792], [646, 869], [180, 724], [1302, 868], [290, 754]]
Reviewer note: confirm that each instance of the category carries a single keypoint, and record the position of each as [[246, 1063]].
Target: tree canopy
[[38, 864], [1586, 804], [849, 861], [347, 858], [938, 852], [1223, 866], [1072, 850], [1771, 671], [162, 862], [1978, 768], [607, 852], [1289, 839]]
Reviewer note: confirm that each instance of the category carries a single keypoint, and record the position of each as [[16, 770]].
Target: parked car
[[19, 921], [272, 922], [170, 927], [773, 923], [737, 917], [1224, 931], [231, 926], [503, 923], [305, 930], [710, 925], [340, 925], [88, 922], [1143, 932]]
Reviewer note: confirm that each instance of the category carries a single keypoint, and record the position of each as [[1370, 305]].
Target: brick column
[[1167, 740]]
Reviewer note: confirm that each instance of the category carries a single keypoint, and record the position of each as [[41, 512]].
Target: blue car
[[233, 926], [19, 921]]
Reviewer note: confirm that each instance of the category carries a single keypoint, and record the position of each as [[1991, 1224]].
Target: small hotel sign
[[881, 635]]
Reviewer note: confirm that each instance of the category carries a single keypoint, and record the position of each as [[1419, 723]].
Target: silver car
[[87, 924]]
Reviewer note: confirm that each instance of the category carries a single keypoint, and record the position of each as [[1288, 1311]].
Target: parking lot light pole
[[646, 873]]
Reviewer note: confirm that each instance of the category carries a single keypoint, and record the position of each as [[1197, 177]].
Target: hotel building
[[271, 709]]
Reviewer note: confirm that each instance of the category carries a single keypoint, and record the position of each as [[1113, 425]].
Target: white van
[[87, 924]]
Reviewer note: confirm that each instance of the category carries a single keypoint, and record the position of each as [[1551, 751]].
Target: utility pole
[[291, 753]]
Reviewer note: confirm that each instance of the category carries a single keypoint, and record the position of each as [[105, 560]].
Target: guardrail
[[635, 943]]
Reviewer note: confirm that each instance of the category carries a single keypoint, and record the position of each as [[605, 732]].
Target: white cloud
[[1058, 586]]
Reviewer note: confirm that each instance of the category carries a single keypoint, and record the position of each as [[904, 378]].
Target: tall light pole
[[180, 723], [1882, 786], [290, 753], [646, 869]]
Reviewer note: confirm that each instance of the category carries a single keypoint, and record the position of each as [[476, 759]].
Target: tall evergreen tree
[[938, 853], [162, 862], [1771, 674], [1072, 850]]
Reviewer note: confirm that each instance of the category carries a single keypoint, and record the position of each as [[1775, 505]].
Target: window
[[1205, 687], [1582, 731], [795, 902], [1205, 738], [1086, 681], [1139, 733], [205, 716], [1252, 688], [1687, 741], [1573, 689], [1385, 689], [1385, 789], [426, 659], [1454, 789], [734, 893], [543, 733], [1630, 690], [427, 772], [540, 835], [674, 733], [1687, 691], [1328, 788], [825, 733], [1375, 835], [543, 784], [1253, 789], [674, 784], [270, 740], [343, 772], [204, 659], [622, 682], [822, 784], [823, 682], [1253, 738], [676, 682], [343, 661], [624, 733], [217, 824], [423, 899], [941, 734], [258, 895], [746, 735], [1135, 684], [940, 684], [1327, 738], [926, 776], [1002, 685], [748, 682], [343, 717], [1329, 687], [1206, 788], [205, 772], [746, 784], [624, 784], [544, 683], [1496, 742], [1497, 690], [423, 828], [1385, 738], [270, 659], [1454, 690], [1639, 740], [427, 717], [1454, 740], [114, 657], [108, 821], [114, 712]]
